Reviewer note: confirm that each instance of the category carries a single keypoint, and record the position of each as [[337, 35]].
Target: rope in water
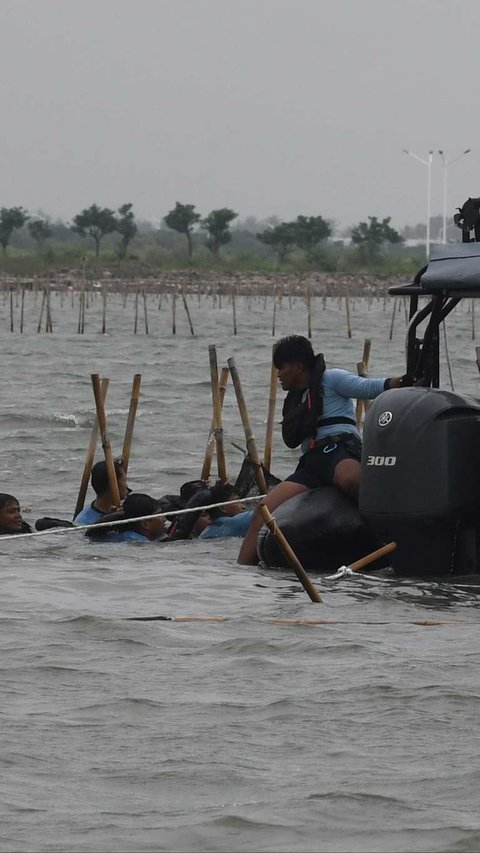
[[122, 521], [428, 623]]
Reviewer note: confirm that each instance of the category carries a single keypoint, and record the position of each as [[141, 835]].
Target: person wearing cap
[[319, 415]]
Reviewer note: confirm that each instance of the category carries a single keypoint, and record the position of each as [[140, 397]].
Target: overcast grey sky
[[267, 106]]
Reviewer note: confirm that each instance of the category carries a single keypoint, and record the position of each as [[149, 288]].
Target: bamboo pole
[[102, 423], [309, 314], [104, 310], [234, 311], [185, 305], [44, 299], [217, 415], [174, 312], [362, 370], [374, 555], [145, 311], [393, 316], [11, 310], [90, 455], [274, 313], [290, 554], [267, 453], [127, 441], [22, 310], [347, 306], [249, 437], [135, 325], [207, 461]]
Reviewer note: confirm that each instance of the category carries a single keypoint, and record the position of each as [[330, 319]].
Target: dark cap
[[136, 504]]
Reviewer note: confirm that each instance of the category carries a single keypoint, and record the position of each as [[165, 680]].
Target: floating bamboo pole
[[290, 555]]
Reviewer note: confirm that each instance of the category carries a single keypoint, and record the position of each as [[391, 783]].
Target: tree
[[371, 236], [310, 231], [217, 225], [282, 238], [10, 219], [40, 231], [95, 222], [126, 227], [182, 219]]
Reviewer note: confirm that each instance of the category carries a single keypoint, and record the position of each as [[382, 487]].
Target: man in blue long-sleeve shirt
[[319, 415]]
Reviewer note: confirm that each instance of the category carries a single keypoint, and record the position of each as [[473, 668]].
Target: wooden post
[[102, 423], [217, 415], [145, 311], [274, 312], [393, 316], [249, 437], [207, 461], [22, 310], [127, 441], [290, 555], [104, 310], [309, 314], [234, 310], [174, 312], [187, 312], [44, 299], [473, 319], [362, 370], [347, 306], [11, 310], [267, 453], [90, 455], [135, 325]]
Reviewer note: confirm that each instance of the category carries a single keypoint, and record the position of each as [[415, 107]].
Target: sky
[[269, 107]]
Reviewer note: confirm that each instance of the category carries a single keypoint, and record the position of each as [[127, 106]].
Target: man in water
[[319, 415], [11, 520], [229, 520], [104, 501], [135, 506]]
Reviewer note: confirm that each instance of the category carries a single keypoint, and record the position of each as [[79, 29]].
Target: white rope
[[100, 524]]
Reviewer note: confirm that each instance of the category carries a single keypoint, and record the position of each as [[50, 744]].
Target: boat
[[420, 478]]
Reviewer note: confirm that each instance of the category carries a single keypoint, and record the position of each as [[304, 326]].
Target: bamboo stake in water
[[393, 316], [290, 555], [44, 299], [217, 415], [249, 437], [145, 311], [174, 312], [362, 370], [136, 314], [267, 454], [22, 310], [90, 455], [187, 312], [104, 310], [207, 461], [347, 306], [11, 310], [127, 441], [102, 424], [309, 314], [234, 310]]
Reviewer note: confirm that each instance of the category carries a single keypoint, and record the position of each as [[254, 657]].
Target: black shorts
[[317, 466]]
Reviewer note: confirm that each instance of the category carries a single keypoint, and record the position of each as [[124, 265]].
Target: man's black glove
[[404, 381]]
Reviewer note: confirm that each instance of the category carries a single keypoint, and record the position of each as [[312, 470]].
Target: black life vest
[[300, 417]]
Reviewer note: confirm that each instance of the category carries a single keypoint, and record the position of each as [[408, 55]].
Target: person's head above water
[[10, 514], [137, 505], [100, 482]]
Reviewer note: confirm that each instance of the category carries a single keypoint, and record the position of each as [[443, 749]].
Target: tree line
[[305, 233]]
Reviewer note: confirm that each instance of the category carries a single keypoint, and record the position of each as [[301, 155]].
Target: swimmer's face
[[11, 517]]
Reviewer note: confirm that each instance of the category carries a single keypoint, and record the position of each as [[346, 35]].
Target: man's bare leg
[[347, 477], [282, 492]]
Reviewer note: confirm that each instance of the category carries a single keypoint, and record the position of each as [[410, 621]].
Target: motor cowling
[[420, 481]]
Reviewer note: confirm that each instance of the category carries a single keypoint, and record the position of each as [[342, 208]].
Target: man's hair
[[137, 504], [7, 499], [99, 480], [222, 492], [294, 348]]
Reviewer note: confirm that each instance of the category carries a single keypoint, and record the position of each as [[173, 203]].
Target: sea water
[[246, 734]]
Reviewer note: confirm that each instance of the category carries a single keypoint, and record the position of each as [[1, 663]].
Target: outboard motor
[[420, 483]]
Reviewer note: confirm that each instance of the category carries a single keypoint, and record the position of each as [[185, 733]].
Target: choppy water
[[242, 735]]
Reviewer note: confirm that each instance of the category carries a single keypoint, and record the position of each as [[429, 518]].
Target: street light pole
[[428, 164], [446, 163]]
